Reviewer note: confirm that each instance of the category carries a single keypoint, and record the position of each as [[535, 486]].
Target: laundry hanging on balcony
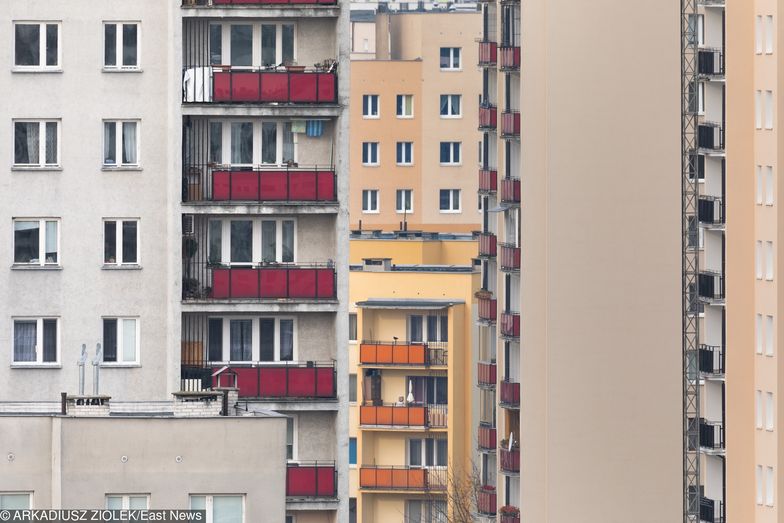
[[315, 128]]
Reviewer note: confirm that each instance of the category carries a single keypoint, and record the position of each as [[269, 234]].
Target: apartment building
[[178, 195], [411, 357], [413, 162]]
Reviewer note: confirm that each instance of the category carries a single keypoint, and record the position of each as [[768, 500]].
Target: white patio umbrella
[[410, 397]]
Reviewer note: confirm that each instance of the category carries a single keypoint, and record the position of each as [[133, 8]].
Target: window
[[234, 44], [768, 109], [768, 335], [426, 511], [352, 502], [352, 388], [370, 105], [769, 34], [121, 242], [701, 98], [758, 259], [696, 29], [768, 185], [36, 143], [450, 105], [405, 153], [127, 501], [121, 340], [246, 143], [120, 143], [760, 185], [450, 58], [36, 340], [266, 339], [428, 390], [405, 106], [291, 437], [352, 326], [450, 153], [758, 35], [36, 242], [758, 109], [769, 261], [352, 451], [759, 340], [120, 45], [769, 484], [404, 200], [760, 486], [769, 412], [427, 452], [758, 405], [370, 201], [37, 46], [252, 241], [449, 200], [15, 500], [220, 509], [430, 328], [369, 153]]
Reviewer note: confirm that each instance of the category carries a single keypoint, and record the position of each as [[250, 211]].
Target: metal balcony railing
[[510, 190], [711, 434], [710, 62], [486, 500], [403, 353], [711, 359], [509, 460], [711, 286], [509, 257], [312, 479], [488, 117], [488, 309], [711, 511], [486, 373], [488, 181], [425, 416], [510, 394], [402, 478], [488, 245], [710, 210], [487, 437], [488, 53], [510, 324], [509, 58]]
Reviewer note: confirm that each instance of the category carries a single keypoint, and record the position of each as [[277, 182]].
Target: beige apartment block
[[414, 138]]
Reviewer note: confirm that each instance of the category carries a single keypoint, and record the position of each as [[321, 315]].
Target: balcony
[[486, 500], [510, 394], [393, 416], [510, 190], [509, 514], [488, 181], [711, 360], [488, 309], [488, 53], [486, 374], [293, 282], [510, 124], [487, 245], [223, 184], [229, 85], [510, 325], [711, 434], [312, 479], [255, 3], [710, 62], [488, 117], [509, 460], [402, 478], [711, 286], [487, 437], [711, 511], [403, 353], [509, 58], [710, 210], [262, 380], [710, 136], [509, 257]]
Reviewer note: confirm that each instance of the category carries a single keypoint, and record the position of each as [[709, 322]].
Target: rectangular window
[[242, 142], [352, 326], [37, 46], [254, 241], [36, 242], [450, 106], [370, 200], [425, 511], [758, 259], [758, 409], [291, 438], [450, 153], [769, 261], [758, 35], [15, 500], [450, 58], [404, 200], [127, 501], [241, 41], [36, 143], [36, 340], [352, 388], [769, 411], [449, 200], [758, 337], [352, 451], [241, 241], [768, 335], [277, 44], [405, 153], [405, 106], [121, 45], [769, 486], [121, 340], [769, 34], [120, 143], [220, 509], [760, 185], [768, 185], [370, 153], [240, 340], [768, 109], [121, 242], [370, 105], [760, 485], [758, 109]]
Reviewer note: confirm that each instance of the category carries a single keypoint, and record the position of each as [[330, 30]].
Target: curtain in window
[[50, 341], [242, 143], [269, 142], [269, 241], [287, 246], [289, 438], [444, 104], [26, 143], [26, 241], [227, 509], [51, 242], [25, 337], [215, 339], [314, 128], [267, 340], [415, 328], [110, 340], [241, 241], [129, 340], [15, 501], [414, 511], [137, 502], [114, 502], [129, 143], [109, 143], [288, 143], [240, 340], [415, 452], [286, 340]]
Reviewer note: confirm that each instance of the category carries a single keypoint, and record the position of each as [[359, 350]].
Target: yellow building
[[410, 360]]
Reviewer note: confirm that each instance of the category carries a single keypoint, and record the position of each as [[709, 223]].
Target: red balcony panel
[[274, 87], [220, 283], [302, 283], [488, 117], [487, 437], [509, 57], [510, 190], [292, 381], [509, 459], [303, 87], [509, 257], [236, 185], [303, 185], [304, 480], [325, 288], [488, 309], [510, 324], [510, 123], [274, 185], [274, 283], [273, 382], [327, 88], [221, 86], [247, 381], [325, 183], [486, 500], [488, 52], [488, 180], [486, 373], [244, 283], [510, 393], [487, 244], [244, 87]]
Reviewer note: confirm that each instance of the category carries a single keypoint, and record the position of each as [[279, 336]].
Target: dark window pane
[[26, 236], [415, 452], [51, 143], [241, 241], [26, 144], [441, 450], [110, 45], [432, 328], [444, 57], [352, 387], [429, 452], [216, 233], [216, 47], [443, 199], [441, 392], [287, 42], [416, 328], [287, 246], [130, 37], [352, 326], [241, 45], [25, 338], [268, 241], [286, 340], [456, 152], [444, 328], [215, 339], [269, 140], [352, 451], [267, 340], [216, 142], [27, 47], [444, 104], [242, 143], [444, 148], [240, 339], [109, 340], [109, 143], [50, 341], [456, 104], [288, 143], [129, 241], [51, 44], [110, 242], [268, 41]]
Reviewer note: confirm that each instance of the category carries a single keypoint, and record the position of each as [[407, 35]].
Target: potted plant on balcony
[[326, 66], [292, 67], [483, 294], [509, 513]]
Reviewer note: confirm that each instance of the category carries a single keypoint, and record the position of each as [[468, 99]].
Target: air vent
[[187, 225]]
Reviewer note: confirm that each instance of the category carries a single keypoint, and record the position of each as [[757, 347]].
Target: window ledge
[[36, 168], [120, 70], [450, 212], [109, 365], [451, 117], [108, 168], [450, 164], [36, 70], [371, 212], [405, 212], [36, 366], [116, 267], [371, 165], [20, 267]]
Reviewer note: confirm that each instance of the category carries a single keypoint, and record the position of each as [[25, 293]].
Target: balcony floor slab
[[246, 11], [254, 306], [260, 110]]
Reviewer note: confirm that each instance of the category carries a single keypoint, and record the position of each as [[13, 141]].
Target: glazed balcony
[[710, 62], [486, 500], [509, 460], [488, 117], [510, 394], [488, 54], [510, 124], [711, 360], [711, 286], [488, 243], [402, 478], [397, 416], [509, 257], [259, 184], [403, 353], [509, 58], [487, 437], [486, 374], [509, 514], [711, 511], [312, 479], [711, 434], [264, 380], [488, 181], [510, 190], [710, 210], [510, 325], [488, 309]]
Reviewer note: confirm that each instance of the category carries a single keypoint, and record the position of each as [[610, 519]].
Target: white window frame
[[18, 493], [452, 59], [118, 145], [403, 159], [41, 47], [402, 107], [452, 147], [759, 340], [41, 243], [769, 260], [760, 185], [119, 46], [769, 34], [258, 142], [769, 335], [118, 249], [769, 110], [423, 448], [701, 98], [255, 339], [295, 433], [758, 415], [769, 190], [769, 411], [39, 342], [403, 210], [41, 143], [256, 239], [450, 112], [126, 499], [758, 35], [368, 146], [356, 327], [120, 325], [452, 209], [366, 200], [770, 483], [208, 504], [367, 106], [760, 484], [255, 41]]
